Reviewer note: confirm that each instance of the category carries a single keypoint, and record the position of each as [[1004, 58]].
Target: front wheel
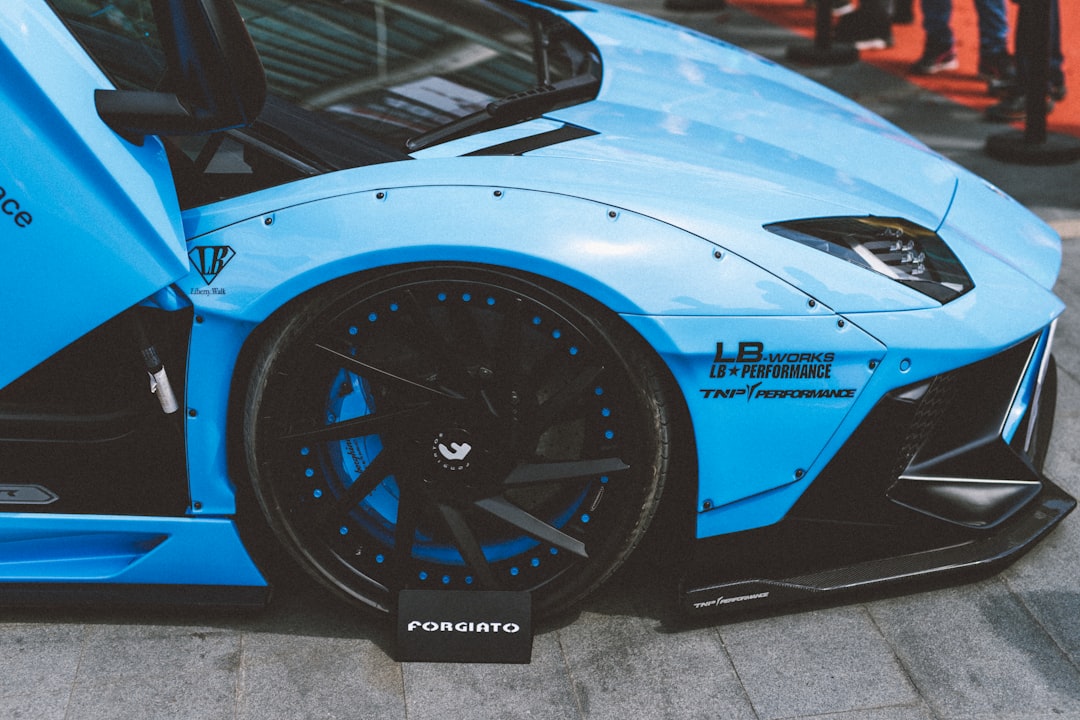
[[455, 427]]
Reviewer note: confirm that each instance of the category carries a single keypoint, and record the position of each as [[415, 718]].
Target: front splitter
[[901, 558]]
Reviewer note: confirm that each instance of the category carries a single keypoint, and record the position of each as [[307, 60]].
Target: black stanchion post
[[823, 51], [1039, 72], [1035, 146]]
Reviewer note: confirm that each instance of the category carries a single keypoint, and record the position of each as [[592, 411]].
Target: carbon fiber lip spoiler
[[983, 554]]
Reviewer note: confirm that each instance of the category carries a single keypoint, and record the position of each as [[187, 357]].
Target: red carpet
[[962, 85]]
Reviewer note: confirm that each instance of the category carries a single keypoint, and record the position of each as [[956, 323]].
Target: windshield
[[350, 82], [394, 70]]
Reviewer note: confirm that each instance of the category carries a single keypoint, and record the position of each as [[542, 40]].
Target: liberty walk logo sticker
[[210, 260]]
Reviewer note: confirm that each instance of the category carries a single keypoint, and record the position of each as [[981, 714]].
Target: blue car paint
[[282, 254], [594, 252], [729, 471], [105, 230], [770, 507], [215, 345], [983, 220], [1027, 389], [681, 98], [139, 550], [666, 188]]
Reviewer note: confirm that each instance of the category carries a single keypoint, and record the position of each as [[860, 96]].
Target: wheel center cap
[[452, 450]]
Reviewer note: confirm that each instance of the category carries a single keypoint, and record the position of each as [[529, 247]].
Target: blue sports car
[[454, 294]]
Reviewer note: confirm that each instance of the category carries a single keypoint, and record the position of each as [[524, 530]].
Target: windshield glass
[[395, 69], [385, 69], [351, 82]]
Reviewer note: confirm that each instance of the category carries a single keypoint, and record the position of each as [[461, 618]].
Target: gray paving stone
[[1038, 715], [893, 712], [623, 664], [35, 706], [1068, 336], [541, 689], [116, 652], [975, 651], [828, 661], [1046, 579], [1046, 583], [155, 696], [325, 678], [37, 660], [146, 670]]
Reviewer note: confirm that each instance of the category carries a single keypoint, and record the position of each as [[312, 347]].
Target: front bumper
[[941, 482]]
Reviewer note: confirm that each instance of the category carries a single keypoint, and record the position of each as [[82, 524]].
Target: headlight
[[893, 247]]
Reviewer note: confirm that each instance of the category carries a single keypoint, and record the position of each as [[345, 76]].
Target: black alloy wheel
[[455, 427]]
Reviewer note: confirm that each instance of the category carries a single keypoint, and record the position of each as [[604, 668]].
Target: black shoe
[[695, 5], [839, 7], [842, 7], [1012, 109], [999, 72], [863, 30], [935, 60]]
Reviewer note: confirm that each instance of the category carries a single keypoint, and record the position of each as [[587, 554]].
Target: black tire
[[520, 432]]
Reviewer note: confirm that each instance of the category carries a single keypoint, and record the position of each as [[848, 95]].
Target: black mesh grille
[[937, 418], [934, 406]]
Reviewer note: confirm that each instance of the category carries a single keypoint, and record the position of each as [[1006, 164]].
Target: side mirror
[[213, 70]]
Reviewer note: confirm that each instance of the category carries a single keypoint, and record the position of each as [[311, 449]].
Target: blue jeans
[[993, 25]]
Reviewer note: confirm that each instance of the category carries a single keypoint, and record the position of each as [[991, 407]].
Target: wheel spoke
[[506, 360], [454, 427], [536, 473], [430, 340], [376, 424], [566, 397], [468, 546], [508, 355], [465, 330], [372, 476], [360, 367], [531, 525], [408, 518]]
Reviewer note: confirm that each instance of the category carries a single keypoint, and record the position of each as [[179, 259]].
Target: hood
[[685, 106], [706, 135]]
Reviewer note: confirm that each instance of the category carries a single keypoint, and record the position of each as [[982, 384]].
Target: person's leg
[[995, 63], [868, 28], [695, 5], [993, 27], [937, 16], [938, 52]]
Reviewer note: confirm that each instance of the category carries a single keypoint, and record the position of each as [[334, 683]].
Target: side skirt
[[111, 595]]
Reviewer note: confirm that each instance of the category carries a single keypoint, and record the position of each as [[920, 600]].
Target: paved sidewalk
[[1006, 647]]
